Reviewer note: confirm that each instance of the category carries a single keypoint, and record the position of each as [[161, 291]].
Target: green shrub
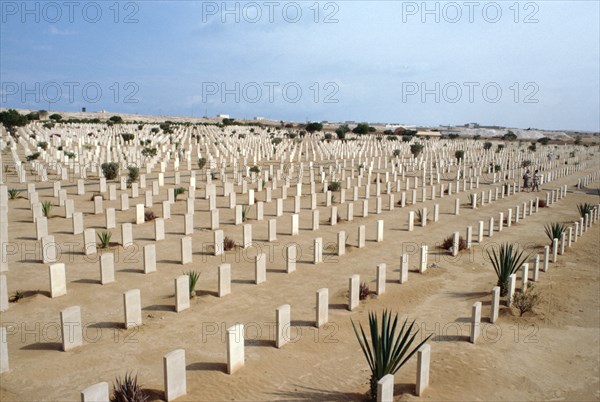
[[43, 145], [33, 156], [334, 186], [416, 149], [110, 170], [133, 174], [201, 163]]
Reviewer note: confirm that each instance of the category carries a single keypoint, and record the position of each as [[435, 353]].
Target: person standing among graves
[[536, 181], [526, 179]]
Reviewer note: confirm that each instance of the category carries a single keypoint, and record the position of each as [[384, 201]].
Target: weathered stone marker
[[174, 374], [235, 348], [283, 325], [381, 276], [58, 280], [71, 328], [107, 268], [182, 293], [423, 360], [224, 279], [149, 257], [495, 304], [353, 296], [475, 321], [95, 393], [132, 306], [322, 307], [385, 389]]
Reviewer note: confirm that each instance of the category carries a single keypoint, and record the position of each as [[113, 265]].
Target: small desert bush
[[255, 169], [18, 295], [201, 163], [228, 243], [149, 216], [448, 243], [133, 174], [542, 204], [43, 145], [110, 170], [33, 156], [334, 186], [526, 301], [364, 291], [339, 219]]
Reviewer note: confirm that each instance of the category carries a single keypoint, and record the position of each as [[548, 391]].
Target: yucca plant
[[420, 217], [179, 191], [127, 389], [104, 238], [245, 212], [46, 208], [194, 276], [506, 262], [584, 209], [389, 349], [13, 193], [554, 230]]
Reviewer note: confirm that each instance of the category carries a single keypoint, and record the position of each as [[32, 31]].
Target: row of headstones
[[57, 274]]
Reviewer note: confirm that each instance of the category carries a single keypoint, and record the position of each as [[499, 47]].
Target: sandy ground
[[552, 354]]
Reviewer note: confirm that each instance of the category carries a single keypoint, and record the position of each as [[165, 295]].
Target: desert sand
[[549, 354]]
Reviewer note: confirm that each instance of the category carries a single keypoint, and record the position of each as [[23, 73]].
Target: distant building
[[223, 116], [258, 118]]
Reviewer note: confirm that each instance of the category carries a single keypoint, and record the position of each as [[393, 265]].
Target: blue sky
[[518, 64]]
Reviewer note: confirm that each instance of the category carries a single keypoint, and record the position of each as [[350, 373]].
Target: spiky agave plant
[[554, 230], [46, 208], [13, 193], [178, 191], [104, 238], [420, 216], [127, 389], [506, 262], [389, 349], [584, 208], [194, 276]]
